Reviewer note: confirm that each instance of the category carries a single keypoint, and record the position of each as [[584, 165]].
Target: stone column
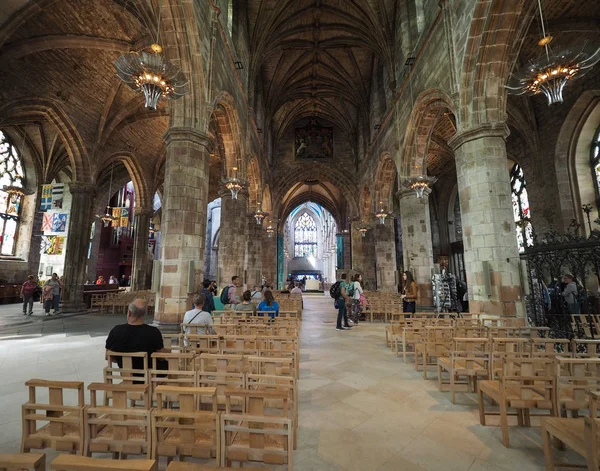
[[232, 238], [385, 256], [416, 242], [183, 224], [363, 255], [269, 257], [77, 247], [141, 258], [254, 258], [491, 254], [92, 262]]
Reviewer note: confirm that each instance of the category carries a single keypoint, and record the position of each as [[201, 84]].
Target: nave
[[360, 406]]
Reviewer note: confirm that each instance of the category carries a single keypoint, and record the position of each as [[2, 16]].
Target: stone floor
[[361, 408]]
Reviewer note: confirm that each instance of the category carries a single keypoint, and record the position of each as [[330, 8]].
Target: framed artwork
[[49, 270], [313, 141]]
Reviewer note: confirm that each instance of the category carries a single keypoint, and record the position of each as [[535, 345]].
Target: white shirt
[[357, 290], [296, 290], [198, 316]]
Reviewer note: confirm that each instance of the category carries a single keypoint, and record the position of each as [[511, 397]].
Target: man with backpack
[[338, 292], [229, 296]]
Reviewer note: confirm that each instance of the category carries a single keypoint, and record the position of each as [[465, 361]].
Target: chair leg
[[481, 407], [547, 448], [504, 423], [453, 387]]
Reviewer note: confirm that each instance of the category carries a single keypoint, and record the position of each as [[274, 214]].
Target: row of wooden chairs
[[185, 422], [118, 301]]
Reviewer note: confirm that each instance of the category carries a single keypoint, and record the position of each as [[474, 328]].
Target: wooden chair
[[126, 369], [121, 429], [83, 463], [438, 342], [411, 337], [525, 383], [222, 381], [574, 378], [222, 363], [550, 348], [502, 348], [580, 435], [173, 343], [469, 359], [63, 427], [274, 366], [28, 461], [187, 431], [255, 436], [586, 348], [239, 345], [179, 371]]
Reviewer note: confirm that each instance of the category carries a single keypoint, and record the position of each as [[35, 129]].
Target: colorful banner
[[46, 201], [59, 222], [47, 222], [58, 192], [52, 245], [124, 221]]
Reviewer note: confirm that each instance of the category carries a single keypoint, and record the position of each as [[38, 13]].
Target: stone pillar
[[347, 252], [491, 254], [77, 247], [416, 242], [232, 238], [141, 259], [363, 255], [92, 262], [254, 257], [183, 224], [385, 256], [269, 257]]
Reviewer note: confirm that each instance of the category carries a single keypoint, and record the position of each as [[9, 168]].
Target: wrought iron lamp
[[152, 74], [234, 184], [259, 214], [419, 184], [381, 214], [550, 73], [363, 229], [107, 218], [270, 230]]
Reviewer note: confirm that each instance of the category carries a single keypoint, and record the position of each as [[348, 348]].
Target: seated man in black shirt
[[135, 336]]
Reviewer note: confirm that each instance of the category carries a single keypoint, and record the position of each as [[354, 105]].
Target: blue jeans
[[342, 314], [54, 301]]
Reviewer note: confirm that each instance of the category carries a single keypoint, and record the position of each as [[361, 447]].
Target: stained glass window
[[305, 236], [595, 161], [11, 175], [520, 204]]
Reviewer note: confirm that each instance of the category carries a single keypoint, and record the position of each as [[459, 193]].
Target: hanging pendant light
[[381, 214], [234, 184], [107, 218], [363, 228], [270, 230], [551, 72], [259, 214], [419, 184]]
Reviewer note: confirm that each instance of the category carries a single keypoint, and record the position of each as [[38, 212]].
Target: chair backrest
[[550, 347], [198, 344], [222, 363], [574, 378], [174, 369], [134, 368], [586, 348], [274, 366], [123, 427], [61, 416], [260, 402], [239, 345], [529, 382], [471, 344]]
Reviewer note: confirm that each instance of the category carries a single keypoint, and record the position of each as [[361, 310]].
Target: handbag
[[363, 300]]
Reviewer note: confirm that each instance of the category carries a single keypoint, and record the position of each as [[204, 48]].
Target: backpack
[[335, 291], [350, 290], [225, 295]]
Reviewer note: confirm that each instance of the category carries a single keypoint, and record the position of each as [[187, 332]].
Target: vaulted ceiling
[[317, 57]]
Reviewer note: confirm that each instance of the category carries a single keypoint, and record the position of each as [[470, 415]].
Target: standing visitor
[[28, 291], [356, 306], [569, 294], [341, 306], [209, 303], [246, 304], [409, 293], [229, 296], [51, 294], [269, 305]]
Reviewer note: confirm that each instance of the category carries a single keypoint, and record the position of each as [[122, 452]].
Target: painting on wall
[[313, 141]]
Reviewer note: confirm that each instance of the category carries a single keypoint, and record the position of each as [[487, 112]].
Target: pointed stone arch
[[143, 188], [254, 183], [225, 123], [385, 178]]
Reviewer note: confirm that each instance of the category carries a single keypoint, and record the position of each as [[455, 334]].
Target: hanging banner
[[52, 245], [340, 253], [58, 192], [46, 200], [280, 262], [47, 222], [124, 221], [59, 222]]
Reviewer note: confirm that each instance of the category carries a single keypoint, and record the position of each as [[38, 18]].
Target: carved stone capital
[[82, 187], [182, 135], [143, 212], [479, 132]]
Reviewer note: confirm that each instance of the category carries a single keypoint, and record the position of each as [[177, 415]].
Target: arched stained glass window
[[520, 204], [595, 161], [305, 236], [12, 176]]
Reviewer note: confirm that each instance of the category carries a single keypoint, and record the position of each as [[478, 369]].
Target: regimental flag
[[59, 222], [124, 221], [116, 214], [47, 222], [58, 192], [46, 201], [52, 245]]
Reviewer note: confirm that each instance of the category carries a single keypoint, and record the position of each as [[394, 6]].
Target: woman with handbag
[[357, 292], [409, 293]]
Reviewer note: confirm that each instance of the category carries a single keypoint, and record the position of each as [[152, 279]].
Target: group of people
[[112, 280], [351, 295], [48, 294]]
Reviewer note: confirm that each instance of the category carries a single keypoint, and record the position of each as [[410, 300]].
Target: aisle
[[361, 408]]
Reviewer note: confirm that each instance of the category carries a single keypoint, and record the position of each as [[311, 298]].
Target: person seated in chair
[[135, 336]]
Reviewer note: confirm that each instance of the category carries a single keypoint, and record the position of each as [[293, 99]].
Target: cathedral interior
[[149, 147]]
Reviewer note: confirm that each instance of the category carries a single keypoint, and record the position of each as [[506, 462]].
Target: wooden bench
[[83, 463], [63, 427], [28, 461]]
